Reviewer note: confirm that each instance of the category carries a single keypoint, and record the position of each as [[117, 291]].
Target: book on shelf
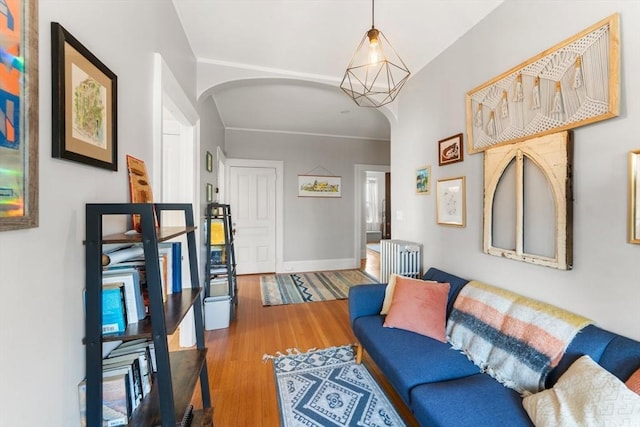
[[142, 349], [217, 255], [115, 365], [115, 397], [173, 252], [114, 317], [121, 255], [114, 408], [217, 232], [129, 347], [135, 308]]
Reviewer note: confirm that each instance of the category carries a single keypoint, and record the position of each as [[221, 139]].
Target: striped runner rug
[[279, 289]]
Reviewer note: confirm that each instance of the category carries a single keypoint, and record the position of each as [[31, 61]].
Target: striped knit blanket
[[516, 340]]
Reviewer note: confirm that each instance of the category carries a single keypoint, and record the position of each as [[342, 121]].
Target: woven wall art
[[571, 84]]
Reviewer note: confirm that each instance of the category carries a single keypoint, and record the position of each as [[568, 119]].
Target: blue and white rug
[[326, 388]]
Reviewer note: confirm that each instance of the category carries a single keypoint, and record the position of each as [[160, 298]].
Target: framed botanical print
[[451, 201]]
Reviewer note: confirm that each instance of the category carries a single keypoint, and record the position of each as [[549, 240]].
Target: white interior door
[[252, 196]]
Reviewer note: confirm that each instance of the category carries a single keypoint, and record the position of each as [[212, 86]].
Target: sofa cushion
[[456, 283], [365, 300], [419, 306], [621, 357], [591, 340], [477, 400], [408, 359], [585, 395]]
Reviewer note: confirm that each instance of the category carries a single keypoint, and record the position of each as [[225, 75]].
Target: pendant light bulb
[[374, 46]]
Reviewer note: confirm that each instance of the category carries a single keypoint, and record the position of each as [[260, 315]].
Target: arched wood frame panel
[[552, 154]]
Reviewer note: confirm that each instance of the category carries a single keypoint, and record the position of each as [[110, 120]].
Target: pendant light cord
[[372, 14]]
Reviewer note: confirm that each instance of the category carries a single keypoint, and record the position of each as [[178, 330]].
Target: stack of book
[[124, 268], [127, 376]]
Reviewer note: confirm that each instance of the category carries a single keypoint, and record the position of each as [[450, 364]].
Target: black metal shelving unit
[[177, 372], [227, 268]]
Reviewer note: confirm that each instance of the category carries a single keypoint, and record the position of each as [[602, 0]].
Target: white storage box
[[216, 312]]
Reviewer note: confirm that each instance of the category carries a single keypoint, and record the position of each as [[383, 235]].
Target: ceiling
[[307, 45]]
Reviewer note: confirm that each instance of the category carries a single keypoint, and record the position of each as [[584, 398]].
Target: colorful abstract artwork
[[18, 114], [12, 176]]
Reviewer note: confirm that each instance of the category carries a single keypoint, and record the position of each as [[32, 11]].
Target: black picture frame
[[84, 132]]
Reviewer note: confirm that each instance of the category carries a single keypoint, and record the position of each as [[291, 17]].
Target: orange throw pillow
[[633, 383], [419, 307]]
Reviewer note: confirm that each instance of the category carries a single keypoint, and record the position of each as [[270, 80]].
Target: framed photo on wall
[[451, 202], [209, 162], [450, 150], [85, 103], [209, 193]]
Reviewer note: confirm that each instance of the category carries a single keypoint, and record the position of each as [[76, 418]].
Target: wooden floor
[[243, 390]]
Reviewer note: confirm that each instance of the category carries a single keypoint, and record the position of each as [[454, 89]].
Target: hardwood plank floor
[[243, 390]]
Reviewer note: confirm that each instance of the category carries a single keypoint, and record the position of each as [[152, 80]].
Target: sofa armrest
[[365, 300]]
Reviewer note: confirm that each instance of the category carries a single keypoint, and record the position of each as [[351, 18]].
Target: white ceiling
[[311, 41]]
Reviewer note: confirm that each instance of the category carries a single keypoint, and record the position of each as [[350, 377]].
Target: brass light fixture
[[376, 72]]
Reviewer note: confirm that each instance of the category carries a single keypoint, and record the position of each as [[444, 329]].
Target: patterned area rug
[[326, 388], [278, 289]]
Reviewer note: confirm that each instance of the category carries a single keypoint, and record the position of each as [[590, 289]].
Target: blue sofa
[[441, 386]]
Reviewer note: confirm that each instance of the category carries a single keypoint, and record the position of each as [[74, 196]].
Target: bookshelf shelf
[[176, 307], [177, 373], [162, 234]]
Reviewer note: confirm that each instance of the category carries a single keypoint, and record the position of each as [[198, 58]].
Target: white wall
[[317, 231], [42, 269], [211, 137], [605, 281]]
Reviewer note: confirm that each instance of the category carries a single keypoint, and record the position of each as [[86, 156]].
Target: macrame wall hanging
[[572, 84]]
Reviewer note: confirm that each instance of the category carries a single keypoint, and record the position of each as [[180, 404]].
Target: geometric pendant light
[[376, 72]]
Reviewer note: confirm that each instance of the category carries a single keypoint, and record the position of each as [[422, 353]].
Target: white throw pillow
[[585, 395], [388, 294]]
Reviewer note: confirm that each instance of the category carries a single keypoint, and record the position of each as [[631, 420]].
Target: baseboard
[[319, 265]]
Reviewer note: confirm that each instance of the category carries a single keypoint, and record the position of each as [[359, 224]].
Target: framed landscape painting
[[18, 114], [319, 186]]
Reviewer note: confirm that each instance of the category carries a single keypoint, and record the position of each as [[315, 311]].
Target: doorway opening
[[371, 200]]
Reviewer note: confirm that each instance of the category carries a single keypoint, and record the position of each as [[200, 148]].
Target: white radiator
[[399, 257]]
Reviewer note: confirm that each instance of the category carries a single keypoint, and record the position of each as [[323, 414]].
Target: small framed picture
[[423, 180], [209, 193], [450, 150], [209, 162], [451, 201]]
